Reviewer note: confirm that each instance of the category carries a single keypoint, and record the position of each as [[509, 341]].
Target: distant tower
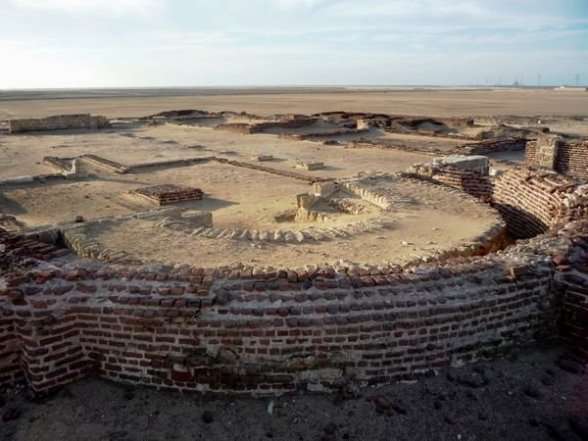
[[538, 80], [577, 79]]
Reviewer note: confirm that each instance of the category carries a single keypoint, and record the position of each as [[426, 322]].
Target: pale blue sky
[[122, 43]]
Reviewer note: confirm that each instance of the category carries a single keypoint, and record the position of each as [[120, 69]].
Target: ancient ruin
[[163, 252], [58, 122]]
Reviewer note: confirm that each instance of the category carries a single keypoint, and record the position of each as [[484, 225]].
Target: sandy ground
[[432, 220], [237, 197], [23, 154], [527, 397], [442, 102]]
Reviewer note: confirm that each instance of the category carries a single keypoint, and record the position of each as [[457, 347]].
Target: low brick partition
[[105, 163], [61, 164], [471, 148], [166, 194], [241, 128], [270, 330], [58, 122], [492, 146]]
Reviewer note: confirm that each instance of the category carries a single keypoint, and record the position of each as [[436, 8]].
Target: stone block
[[477, 163], [309, 165], [325, 189], [198, 218], [263, 157]]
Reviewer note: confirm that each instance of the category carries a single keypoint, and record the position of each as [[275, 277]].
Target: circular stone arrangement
[[373, 218]]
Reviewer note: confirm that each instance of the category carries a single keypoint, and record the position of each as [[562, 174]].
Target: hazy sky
[[96, 43]]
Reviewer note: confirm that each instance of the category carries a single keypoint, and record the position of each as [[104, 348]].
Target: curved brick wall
[[530, 201], [269, 330]]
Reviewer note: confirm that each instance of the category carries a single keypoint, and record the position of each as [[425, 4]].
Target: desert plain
[[250, 183]]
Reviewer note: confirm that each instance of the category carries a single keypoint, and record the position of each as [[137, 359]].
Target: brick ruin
[[167, 194], [58, 122], [553, 153], [270, 330], [66, 313]]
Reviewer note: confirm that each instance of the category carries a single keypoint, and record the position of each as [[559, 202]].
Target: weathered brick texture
[[530, 201], [572, 280], [270, 330], [571, 157]]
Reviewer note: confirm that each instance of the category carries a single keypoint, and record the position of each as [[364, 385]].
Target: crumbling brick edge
[[271, 330]]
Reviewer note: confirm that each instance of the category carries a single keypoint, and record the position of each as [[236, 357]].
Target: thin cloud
[[203, 42], [103, 7]]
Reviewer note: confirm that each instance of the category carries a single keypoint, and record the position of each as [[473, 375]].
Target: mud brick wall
[[471, 182], [270, 330], [58, 122], [572, 279], [16, 247], [571, 157], [179, 196], [488, 147], [530, 202], [17, 254], [10, 353], [531, 153], [103, 162], [60, 164]]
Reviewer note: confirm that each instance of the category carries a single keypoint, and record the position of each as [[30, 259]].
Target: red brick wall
[[268, 332], [571, 158], [274, 330], [572, 278], [530, 201], [10, 367]]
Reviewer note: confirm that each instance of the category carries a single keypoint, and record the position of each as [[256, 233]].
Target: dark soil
[[537, 395]]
